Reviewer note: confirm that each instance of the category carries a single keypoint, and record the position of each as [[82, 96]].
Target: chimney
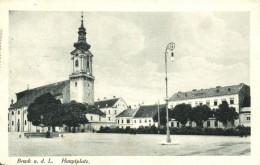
[[27, 86], [12, 102], [104, 98], [114, 97], [98, 99]]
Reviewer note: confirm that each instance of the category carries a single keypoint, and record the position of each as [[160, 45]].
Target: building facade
[[111, 108], [125, 118], [235, 95], [79, 87]]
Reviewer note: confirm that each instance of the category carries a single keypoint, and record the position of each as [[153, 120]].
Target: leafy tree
[[162, 111], [181, 113], [226, 114], [49, 108], [199, 114], [74, 114]]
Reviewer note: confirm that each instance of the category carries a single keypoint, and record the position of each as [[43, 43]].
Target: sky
[[211, 49]]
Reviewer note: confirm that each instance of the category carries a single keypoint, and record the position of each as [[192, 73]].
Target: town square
[[129, 84]]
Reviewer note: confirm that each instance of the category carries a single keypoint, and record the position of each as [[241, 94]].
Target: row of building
[[115, 112]]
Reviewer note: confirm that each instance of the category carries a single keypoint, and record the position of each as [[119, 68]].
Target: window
[[12, 112], [118, 121], [122, 121], [76, 84], [208, 123], [76, 63], [215, 102], [108, 118], [91, 118], [200, 103], [140, 121], [196, 103], [208, 103], [178, 124], [190, 123], [128, 121], [145, 121], [25, 122], [231, 101], [216, 123], [12, 122], [223, 100], [149, 121], [248, 118], [135, 121], [115, 111], [18, 121], [87, 62], [108, 111], [99, 118], [18, 112]]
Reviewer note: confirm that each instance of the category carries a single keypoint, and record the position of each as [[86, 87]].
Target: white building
[[111, 108], [236, 95], [125, 118], [145, 115], [79, 87]]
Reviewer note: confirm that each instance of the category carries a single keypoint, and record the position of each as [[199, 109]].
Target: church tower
[[81, 78]]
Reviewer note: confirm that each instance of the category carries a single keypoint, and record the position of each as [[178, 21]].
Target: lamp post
[[170, 48]]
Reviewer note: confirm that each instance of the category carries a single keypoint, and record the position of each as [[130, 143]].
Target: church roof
[[106, 103], [127, 113], [211, 92], [25, 98], [145, 111]]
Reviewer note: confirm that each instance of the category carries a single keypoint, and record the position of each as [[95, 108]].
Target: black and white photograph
[[113, 80], [118, 83]]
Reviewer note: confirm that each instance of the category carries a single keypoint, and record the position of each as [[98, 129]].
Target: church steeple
[[82, 44], [81, 78]]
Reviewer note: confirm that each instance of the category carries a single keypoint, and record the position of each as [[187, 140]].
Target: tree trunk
[[53, 129]]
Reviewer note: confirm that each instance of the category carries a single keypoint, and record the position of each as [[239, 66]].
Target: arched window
[[25, 122], [76, 84], [76, 63], [87, 61], [18, 112], [12, 112], [12, 122]]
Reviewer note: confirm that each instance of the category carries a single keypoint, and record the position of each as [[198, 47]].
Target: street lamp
[[169, 48]]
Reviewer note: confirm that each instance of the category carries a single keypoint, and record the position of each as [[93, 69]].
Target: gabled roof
[[106, 103], [92, 109], [211, 92], [127, 113], [25, 98], [145, 111]]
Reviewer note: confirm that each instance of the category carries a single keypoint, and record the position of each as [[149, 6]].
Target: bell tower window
[[87, 62], [76, 63]]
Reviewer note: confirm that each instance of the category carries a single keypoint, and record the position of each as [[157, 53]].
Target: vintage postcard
[[146, 83]]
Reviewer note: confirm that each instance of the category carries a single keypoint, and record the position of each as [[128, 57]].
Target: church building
[[79, 87]]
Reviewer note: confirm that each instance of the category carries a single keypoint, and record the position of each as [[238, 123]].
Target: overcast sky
[[212, 49]]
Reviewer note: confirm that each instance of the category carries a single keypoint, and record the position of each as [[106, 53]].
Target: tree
[[49, 108], [200, 114], [181, 113], [74, 114], [162, 111], [226, 114]]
